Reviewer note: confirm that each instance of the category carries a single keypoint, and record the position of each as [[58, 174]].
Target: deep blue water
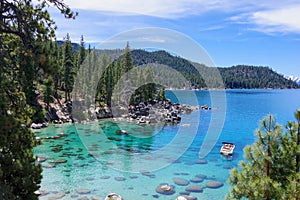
[[133, 165]]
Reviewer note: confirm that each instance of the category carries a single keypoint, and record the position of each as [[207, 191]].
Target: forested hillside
[[141, 57], [243, 76], [240, 76]]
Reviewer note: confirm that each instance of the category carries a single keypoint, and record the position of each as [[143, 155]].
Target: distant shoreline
[[218, 89]]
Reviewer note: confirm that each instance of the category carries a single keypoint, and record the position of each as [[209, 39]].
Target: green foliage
[[69, 67], [81, 53], [20, 175], [270, 170], [243, 76], [201, 76], [25, 32], [119, 75], [119, 81], [148, 90], [48, 92], [126, 62], [186, 68]]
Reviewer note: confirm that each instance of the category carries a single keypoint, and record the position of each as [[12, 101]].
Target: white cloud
[[156, 8], [269, 16], [280, 20]]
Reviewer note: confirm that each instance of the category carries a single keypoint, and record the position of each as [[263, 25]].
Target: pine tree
[[58, 74], [81, 53], [69, 67], [150, 86], [23, 28], [127, 63], [270, 171], [19, 175], [48, 92]]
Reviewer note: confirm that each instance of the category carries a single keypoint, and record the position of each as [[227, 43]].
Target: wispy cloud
[[213, 28], [156, 8], [267, 16], [282, 20], [272, 19]]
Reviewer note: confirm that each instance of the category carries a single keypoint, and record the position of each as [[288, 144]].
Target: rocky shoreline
[[144, 113], [159, 111]]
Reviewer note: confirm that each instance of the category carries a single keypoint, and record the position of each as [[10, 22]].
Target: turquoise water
[[99, 158]]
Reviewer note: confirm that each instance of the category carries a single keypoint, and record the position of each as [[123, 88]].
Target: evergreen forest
[[36, 71]]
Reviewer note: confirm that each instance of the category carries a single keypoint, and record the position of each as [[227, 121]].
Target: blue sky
[[257, 32]]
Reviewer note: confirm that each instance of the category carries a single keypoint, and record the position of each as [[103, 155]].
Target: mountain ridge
[[235, 77]]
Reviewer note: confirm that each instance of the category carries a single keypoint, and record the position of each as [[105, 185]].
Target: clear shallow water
[[102, 160]]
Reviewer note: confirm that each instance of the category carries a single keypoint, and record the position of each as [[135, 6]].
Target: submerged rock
[[194, 188], [165, 189], [95, 198], [148, 174], [61, 161], [83, 191], [120, 178], [184, 193], [58, 195], [197, 180], [185, 173], [181, 181], [201, 176], [48, 166], [214, 184], [104, 177]]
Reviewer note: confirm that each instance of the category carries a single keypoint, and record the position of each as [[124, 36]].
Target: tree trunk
[[1, 45], [297, 116], [297, 158], [268, 163], [298, 143]]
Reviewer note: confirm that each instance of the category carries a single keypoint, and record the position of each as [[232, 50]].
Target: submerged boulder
[[58, 195], [194, 188], [214, 184], [197, 180], [165, 189], [201, 176], [83, 191], [181, 181]]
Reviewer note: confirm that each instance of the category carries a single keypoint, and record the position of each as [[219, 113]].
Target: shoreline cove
[[89, 156]]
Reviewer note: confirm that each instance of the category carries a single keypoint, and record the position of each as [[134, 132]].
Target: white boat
[[227, 148]]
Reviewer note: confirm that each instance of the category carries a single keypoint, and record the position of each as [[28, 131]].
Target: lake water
[[99, 158]]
